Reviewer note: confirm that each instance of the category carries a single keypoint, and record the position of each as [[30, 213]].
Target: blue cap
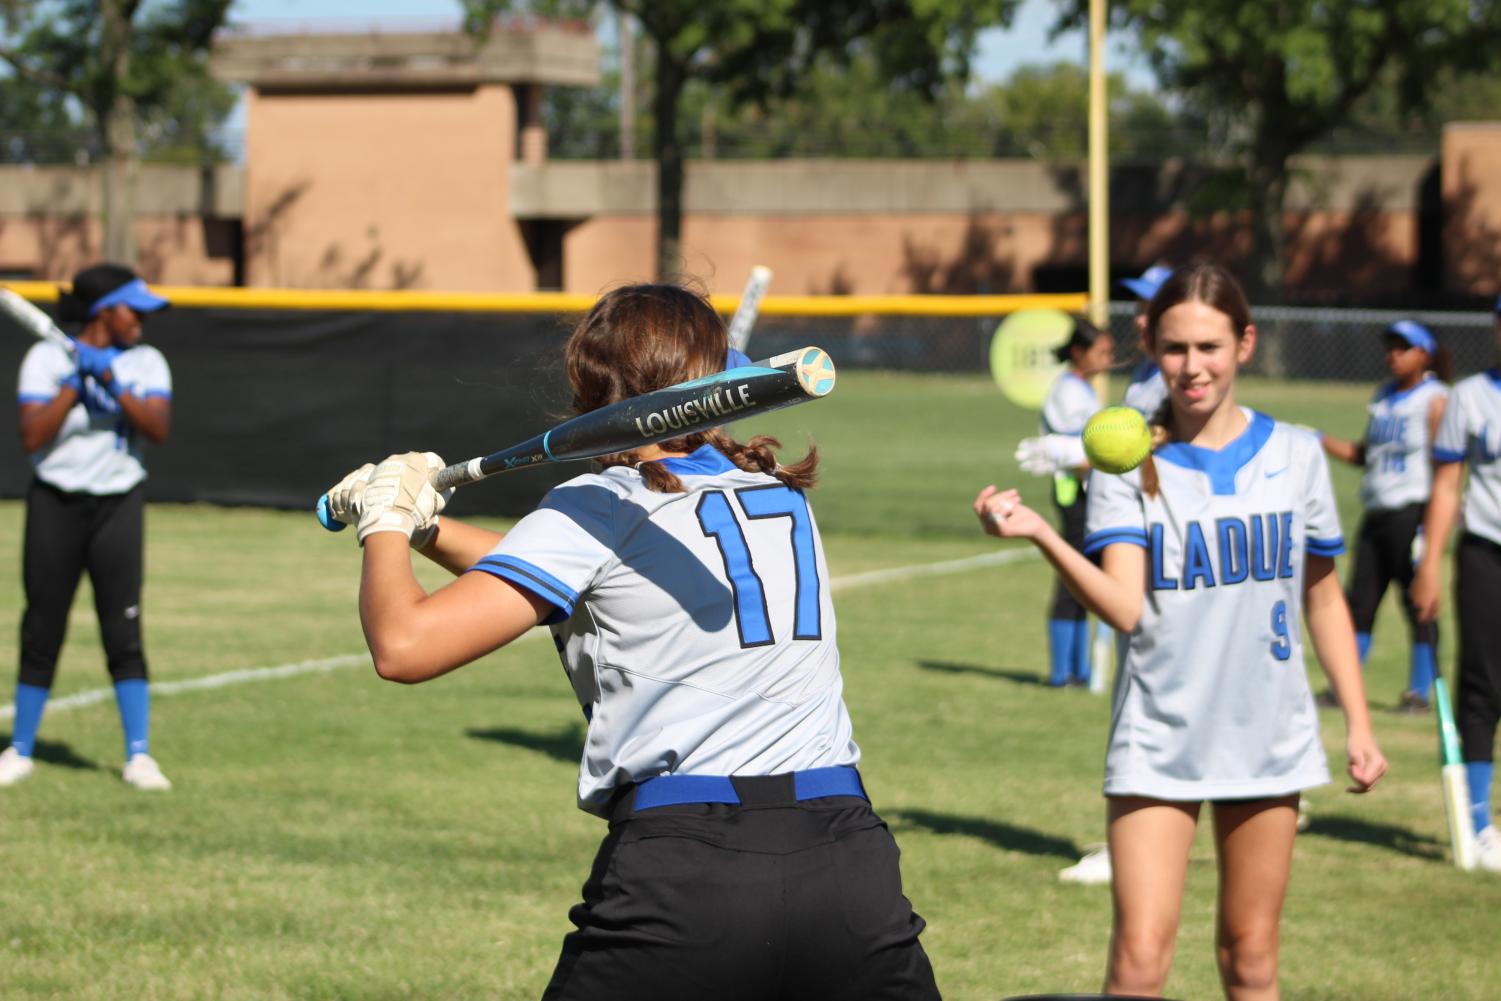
[[1152, 279], [736, 359], [1414, 333], [134, 294]]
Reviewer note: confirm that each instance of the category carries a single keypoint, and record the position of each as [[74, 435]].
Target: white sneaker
[[1488, 849], [1092, 869], [13, 767], [143, 772]]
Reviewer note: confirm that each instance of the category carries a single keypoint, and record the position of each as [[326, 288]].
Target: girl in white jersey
[[1470, 435], [1209, 551], [687, 591], [1396, 453], [84, 414]]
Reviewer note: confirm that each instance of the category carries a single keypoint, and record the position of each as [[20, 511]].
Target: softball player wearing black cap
[[83, 416], [687, 591]]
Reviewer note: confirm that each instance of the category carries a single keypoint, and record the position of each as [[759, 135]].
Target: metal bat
[[1456, 785], [750, 305], [784, 381], [33, 320]]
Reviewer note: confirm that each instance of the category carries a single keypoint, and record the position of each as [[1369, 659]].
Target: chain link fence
[[1296, 343]]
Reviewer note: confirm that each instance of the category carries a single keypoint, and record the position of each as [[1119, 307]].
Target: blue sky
[[1001, 50]]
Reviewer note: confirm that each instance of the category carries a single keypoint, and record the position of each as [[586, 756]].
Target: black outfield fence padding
[[271, 407]]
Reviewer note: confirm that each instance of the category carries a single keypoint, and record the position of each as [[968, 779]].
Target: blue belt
[[815, 783]]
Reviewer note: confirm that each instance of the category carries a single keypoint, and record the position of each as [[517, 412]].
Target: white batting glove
[[346, 499], [399, 497], [1050, 453]]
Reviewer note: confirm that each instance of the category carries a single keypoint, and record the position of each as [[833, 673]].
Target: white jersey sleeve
[[1470, 432], [43, 370], [1069, 405], [1115, 512], [1147, 390], [1322, 533], [143, 372], [558, 551]]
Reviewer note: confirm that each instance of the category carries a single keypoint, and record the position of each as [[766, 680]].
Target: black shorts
[[771, 899], [1383, 555]]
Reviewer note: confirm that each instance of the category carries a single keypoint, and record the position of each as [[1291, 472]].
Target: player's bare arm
[[152, 417], [1443, 506], [40, 422], [1333, 634], [415, 636], [456, 546], [1344, 449], [1114, 591]]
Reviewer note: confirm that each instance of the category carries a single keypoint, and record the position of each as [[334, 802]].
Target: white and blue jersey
[[697, 628], [1471, 432], [1069, 405], [96, 450], [1147, 389], [1398, 472], [1212, 699]]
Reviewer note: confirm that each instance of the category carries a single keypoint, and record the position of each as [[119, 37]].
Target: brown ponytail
[[638, 338]]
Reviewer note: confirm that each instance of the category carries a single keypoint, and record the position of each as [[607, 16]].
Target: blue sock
[[1479, 775], [1424, 665], [134, 699], [1363, 644], [1061, 638], [30, 701], [1081, 650]]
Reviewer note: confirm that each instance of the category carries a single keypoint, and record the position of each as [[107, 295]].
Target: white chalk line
[[323, 665]]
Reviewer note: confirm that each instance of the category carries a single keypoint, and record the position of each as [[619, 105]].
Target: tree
[[757, 49], [1290, 72], [118, 60]]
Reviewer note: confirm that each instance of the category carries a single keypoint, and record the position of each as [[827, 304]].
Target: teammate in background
[[1396, 453], [82, 421], [1146, 390], [1470, 433], [687, 591], [1059, 452], [1209, 550]]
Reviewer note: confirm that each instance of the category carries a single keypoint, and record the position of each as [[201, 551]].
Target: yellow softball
[[1117, 439]]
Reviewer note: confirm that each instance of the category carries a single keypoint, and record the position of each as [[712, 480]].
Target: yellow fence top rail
[[563, 302]]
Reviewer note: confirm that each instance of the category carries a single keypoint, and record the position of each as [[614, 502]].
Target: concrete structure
[[419, 161]]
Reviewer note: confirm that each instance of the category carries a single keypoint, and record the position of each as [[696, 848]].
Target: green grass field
[[331, 836]]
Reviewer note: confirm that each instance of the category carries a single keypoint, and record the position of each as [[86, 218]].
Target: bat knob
[[326, 516]]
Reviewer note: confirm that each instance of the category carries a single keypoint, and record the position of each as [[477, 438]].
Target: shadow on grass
[[56, 753], [999, 673], [1397, 839], [1006, 836], [564, 744]]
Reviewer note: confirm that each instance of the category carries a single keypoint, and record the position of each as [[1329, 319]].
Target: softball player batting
[[687, 591], [1470, 434], [83, 416], [1209, 551], [1396, 453]]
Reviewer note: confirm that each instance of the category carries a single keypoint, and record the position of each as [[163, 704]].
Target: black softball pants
[[66, 534], [1072, 520], [1383, 554], [1477, 593], [772, 900]]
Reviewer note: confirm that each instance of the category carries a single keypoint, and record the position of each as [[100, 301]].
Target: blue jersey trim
[[154, 394], [706, 460], [34, 398], [534, 579], [1221, 466], [1443, 456], [1494, 375], [1388, 389], [1096, 541], [1146, 371], [1325, 547]]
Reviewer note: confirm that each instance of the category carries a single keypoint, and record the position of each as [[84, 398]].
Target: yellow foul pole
[[1099, 174]]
